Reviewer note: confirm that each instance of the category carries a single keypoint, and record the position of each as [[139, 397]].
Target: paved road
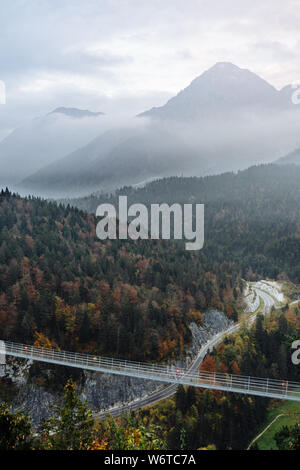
[[267, 299], [170, 390]]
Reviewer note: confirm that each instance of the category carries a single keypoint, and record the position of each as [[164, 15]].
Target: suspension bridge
[[264, 387]]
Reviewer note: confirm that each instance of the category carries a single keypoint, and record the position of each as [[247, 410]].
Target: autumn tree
[[72, 427], [15, 429], [126, 435]]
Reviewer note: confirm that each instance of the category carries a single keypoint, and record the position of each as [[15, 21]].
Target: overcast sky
[[128, 55]]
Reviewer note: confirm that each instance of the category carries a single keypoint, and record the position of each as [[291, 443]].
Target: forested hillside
[[59, 284], [252, 218], [225, 420], [194, 418]]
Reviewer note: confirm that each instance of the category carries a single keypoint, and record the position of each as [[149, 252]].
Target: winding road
[[267, 302]]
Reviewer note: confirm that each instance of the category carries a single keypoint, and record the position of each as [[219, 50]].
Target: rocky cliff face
[[101, 391], [214, 322]]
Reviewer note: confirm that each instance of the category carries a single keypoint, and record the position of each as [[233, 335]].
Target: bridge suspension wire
[[265, 387]]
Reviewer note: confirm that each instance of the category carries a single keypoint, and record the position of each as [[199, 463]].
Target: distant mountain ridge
[[292, 158], [227, 119], [44, 140], [122, 155], [223, 88], [75, 112]]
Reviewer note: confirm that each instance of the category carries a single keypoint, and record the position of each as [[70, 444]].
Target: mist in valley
[[74, 157]]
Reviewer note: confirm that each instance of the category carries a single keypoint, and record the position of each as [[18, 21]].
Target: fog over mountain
[[226, 119], [224, 88], [44, 140], [292, 158], [76, 113], [120, 156]]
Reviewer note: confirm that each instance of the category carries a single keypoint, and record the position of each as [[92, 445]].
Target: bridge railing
[[206, 379]]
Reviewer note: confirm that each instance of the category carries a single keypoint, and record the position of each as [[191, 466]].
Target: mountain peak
[[75, 112], [225, 71], [224, 66], [222, 89]]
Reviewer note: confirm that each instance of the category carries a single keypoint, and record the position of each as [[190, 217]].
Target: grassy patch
[[291, 412]]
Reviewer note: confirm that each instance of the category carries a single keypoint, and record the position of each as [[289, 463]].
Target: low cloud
[[135, 51]]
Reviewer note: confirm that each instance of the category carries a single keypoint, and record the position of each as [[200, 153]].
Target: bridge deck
[[280, 389]]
